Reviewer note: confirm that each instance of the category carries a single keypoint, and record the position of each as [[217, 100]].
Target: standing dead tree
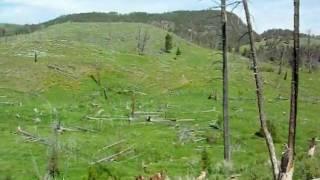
[[259, 92], [35, 56], [142, 40], [97, 79], [133, 104], [287, 163], [282, 57], [309, 52], [226, 135], [53, 169]]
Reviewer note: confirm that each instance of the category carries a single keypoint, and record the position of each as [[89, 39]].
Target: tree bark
[[286, 173], [227, 150], [259, 92]]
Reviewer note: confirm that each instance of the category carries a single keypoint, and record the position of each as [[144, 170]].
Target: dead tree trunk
[[262, 116], [309, 52], [226, 136], [281, 60], [53, 169], [287, 166], [312, 147], [133, 104], [35, 56]]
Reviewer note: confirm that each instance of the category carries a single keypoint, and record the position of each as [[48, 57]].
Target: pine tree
[[178, 53], [168, 43]]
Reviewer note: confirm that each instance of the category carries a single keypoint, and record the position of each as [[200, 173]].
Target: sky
[[266, 13]]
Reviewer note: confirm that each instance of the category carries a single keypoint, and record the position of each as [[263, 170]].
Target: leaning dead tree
[[226, 136], [287, 162], [259, 91]]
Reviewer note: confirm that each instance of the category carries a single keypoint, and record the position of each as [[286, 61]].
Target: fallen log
[[62, 71], [8, 103], [85, 129], [30, 137], [105, 119], [112, 145], [111, 158], [63, 129]]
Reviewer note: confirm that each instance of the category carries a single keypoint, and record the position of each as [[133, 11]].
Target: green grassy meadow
[[33, 96]]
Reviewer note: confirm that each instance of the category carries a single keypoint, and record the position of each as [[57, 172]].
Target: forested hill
[[285, 34], [201, 27]]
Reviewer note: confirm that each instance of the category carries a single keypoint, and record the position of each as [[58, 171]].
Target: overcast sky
[[267, 13]]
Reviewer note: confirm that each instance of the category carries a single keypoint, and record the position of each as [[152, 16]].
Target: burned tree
[[226, 136], [53, 169], [35, 56], [133, 104], [282, 57], [142, 39], [287, 167], [312, 147], [259, 92], [309, 58]]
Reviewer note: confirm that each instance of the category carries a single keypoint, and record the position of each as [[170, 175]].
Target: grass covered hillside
[[126, 114], [201, 27]]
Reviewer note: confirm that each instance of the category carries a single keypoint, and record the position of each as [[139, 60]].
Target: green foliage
[[307, 167], [273, 131], [168, 43], [178, 52], [205, 160], [92, 173], [246, 53]]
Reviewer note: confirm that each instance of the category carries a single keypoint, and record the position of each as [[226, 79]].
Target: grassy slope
[[183, 83]]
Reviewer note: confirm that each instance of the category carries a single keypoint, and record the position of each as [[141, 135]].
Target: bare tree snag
[[35, 56], [285, 76], [309, 52], [133, 104], [312, 147], [287, 167], [142, 39], [259, 88], [202, 176], [281, 60], [226, 136], [53, 169]]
